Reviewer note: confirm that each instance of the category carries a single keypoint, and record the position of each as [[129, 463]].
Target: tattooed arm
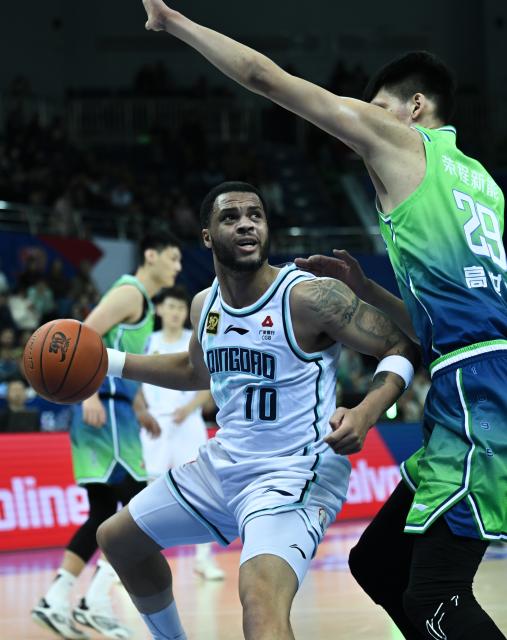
[[327, 311]]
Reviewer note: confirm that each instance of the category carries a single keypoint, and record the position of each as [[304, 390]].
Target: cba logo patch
[[212, 322]]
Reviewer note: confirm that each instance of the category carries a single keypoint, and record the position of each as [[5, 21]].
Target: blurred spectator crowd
[[157, 181], [39, 294]]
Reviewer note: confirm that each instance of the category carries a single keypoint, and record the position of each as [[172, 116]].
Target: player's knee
[[108, 537], [263, 607]]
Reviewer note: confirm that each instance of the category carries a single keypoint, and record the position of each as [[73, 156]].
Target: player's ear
[[419, 103], [149, 256], [206, 238]]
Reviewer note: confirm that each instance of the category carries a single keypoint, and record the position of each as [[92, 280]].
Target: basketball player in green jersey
[[106, 447], [441, 215]]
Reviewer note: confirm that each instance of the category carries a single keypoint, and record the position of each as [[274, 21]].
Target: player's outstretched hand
[[349, 431], [341, 267], [158, 15], [148, 422], [94, 413]]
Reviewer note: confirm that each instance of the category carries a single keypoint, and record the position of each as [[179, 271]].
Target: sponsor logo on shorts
[[419, 507], [212, 322]]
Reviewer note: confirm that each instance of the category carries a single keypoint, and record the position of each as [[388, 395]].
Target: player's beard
[[224, 254]]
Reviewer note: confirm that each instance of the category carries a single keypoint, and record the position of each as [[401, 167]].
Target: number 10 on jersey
[[260, 402]]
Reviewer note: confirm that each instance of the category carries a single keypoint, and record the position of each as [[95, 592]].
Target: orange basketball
[[65, 361]]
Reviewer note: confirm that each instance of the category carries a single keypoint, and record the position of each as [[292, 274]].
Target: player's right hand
[[94, 412], [340, 267]]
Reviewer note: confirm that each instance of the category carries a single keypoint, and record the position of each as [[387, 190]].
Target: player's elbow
[[407, 348], [260, 76]]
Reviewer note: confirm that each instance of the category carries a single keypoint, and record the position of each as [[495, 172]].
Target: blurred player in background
[[441, 215], [106, 446], [179, 413]]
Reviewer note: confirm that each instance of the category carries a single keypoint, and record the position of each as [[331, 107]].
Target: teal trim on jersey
[[407, 478], [486, 535], [479, 348], [264, 299], [423, 133], [175, 490], [312, 532], [287, 325], [299, 353], [306, 488], [204, 313], [460, 493], [448, 129]]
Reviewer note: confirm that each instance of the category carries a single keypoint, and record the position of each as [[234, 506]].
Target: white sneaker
[[208, 569], [99, 616], [58, 620]]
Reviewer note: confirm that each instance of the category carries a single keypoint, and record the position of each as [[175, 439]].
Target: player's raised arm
[[360, 125], [184, 371]]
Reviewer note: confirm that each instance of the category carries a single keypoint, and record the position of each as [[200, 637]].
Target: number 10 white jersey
[[273, 398]]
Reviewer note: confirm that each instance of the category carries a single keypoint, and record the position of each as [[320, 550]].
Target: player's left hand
[[349, 431], [148, 422], [180, 414]]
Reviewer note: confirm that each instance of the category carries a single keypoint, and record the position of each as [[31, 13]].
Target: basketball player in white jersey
[[268, 339], [177, 412]]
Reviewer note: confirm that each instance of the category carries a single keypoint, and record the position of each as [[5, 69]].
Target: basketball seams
[[71, 379], [41, 368], [70, 361], [68, 399]]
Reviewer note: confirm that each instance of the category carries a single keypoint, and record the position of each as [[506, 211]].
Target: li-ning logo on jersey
[[239, 330], [234, 359], [212, 322], [59, 342]]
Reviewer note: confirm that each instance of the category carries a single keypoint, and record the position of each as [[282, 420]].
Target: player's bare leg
[[267, 586], [144, 572]]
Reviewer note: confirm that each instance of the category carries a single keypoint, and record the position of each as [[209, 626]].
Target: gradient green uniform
[[445, 245], [99, 454]]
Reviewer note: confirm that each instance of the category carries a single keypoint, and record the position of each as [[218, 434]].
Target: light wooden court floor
[[330, 605]]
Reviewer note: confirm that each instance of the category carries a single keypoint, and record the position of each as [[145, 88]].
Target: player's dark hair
[[417, 72], [178, 293], [226, 187], [158, 241]]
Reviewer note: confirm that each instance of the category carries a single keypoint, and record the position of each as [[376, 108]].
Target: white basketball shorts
[[279, 511]]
